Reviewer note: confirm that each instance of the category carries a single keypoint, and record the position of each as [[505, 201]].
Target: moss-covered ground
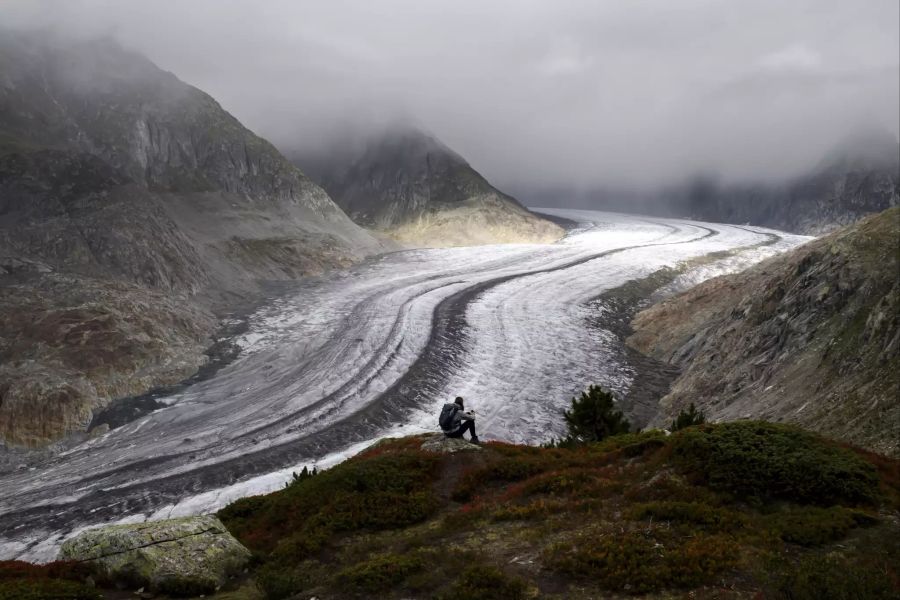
[[735, 510]]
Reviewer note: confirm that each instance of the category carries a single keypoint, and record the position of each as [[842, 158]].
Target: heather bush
[[695, 514], [46, 589], [17, 569], [507, 469], [837, 578], [813, 525], [380, 492], [765, 460], [643, 561], [380, 573], [485, 582]]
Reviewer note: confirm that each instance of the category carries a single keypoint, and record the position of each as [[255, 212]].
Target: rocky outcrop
[[188, 556], [442, 444], [810, 337], [133, 209], [410, 185]]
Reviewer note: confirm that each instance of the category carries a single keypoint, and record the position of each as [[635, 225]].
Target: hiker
[[455, 421]]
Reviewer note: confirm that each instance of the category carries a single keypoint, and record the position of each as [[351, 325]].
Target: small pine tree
[[687, 418], [302, 476], [593, 417]]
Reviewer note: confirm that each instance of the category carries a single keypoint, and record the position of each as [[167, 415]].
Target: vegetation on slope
[[727, 510], [734, 510]]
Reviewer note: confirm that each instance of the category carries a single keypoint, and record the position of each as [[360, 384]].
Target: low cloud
[[577, 93]]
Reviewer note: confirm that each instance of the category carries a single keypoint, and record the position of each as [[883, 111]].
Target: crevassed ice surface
[[370, 352]]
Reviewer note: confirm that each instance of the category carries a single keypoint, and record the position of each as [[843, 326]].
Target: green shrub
[[593, 417], [46, 589], [379, 492], [486, 583], [380, 574], [643, 561], [765, 460], [278, 582], [17, 569], [534, 509], [813, 526], [508, 469], [688, 418], [184, 587], [836, 578], [693, 513], [560, 483]]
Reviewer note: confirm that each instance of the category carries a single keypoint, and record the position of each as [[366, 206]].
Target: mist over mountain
[[857, 177], [572, 94], [409, 184]]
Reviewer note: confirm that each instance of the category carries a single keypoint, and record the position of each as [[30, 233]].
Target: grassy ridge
[[726, 510], [735, 510]]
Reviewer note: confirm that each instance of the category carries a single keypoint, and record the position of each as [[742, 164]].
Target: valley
[[371, 351]]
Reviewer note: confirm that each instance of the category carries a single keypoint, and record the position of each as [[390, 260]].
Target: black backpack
[[448, 414]]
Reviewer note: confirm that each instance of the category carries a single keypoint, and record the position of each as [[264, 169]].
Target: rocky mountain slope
[[133, 208], [810, 337], [410, 185], [738, 510], [859, 177]]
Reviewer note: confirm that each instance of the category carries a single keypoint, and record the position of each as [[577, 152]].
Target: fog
[[533, 94]]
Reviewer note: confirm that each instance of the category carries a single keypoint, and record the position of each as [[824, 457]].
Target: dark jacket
[[458, 419]]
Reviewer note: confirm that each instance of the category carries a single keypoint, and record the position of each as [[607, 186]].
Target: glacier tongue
[[351, 357]]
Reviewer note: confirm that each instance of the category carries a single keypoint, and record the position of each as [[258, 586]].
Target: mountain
[[133, 211], [410, 185], [810, 337], [858, 177]]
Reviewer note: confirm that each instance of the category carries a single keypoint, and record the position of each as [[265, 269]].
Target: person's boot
[[474, 439]]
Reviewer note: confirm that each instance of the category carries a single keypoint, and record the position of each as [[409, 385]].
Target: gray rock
[[191, 555], [439, 442]]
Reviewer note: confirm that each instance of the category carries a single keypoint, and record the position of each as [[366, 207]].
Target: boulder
[[439, 442], [186, 556]]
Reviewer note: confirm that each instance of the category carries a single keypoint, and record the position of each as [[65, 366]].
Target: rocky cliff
[[132, 209], [410, 185], [810, 337]]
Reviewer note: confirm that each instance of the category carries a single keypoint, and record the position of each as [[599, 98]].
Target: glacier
[[372, 352]]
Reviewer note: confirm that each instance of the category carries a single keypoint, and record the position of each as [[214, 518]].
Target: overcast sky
[[533, 93]]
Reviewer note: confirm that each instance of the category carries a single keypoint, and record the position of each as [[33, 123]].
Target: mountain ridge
[[409, 184], [810, 337], [134, 212]]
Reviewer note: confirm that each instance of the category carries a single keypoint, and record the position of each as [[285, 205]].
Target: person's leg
[[470, 427], [456, 434]]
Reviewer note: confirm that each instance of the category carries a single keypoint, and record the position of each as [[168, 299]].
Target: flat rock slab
[[439, 442], [191, 555]]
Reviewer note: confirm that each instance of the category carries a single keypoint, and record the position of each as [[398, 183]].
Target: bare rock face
[[188, 556], [811, 337], [420, 192], [69, 345]]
